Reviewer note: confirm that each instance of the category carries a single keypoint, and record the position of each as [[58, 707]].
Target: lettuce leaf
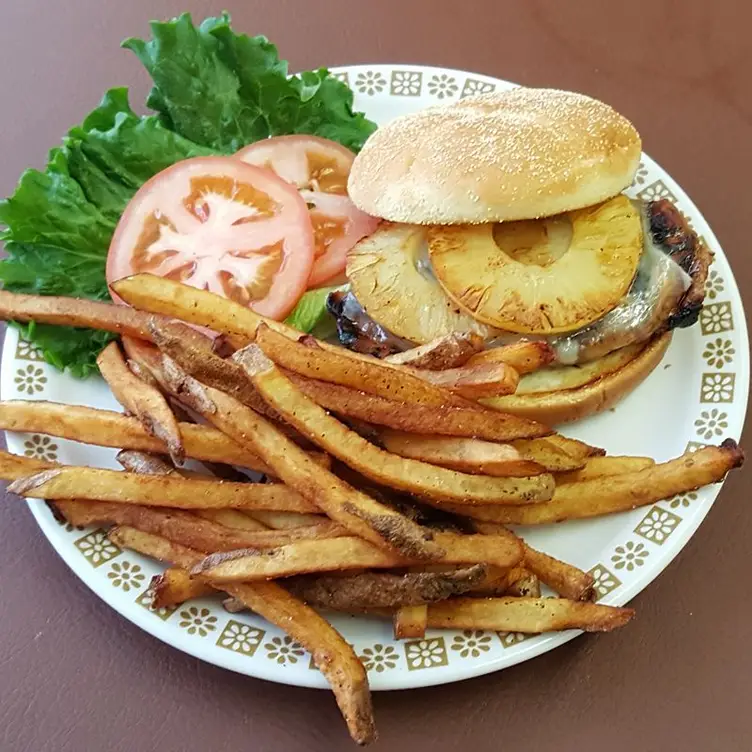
[[226, 90], [310, 314]]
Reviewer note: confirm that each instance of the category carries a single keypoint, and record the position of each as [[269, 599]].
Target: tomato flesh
[[218, 224], [319, 169]]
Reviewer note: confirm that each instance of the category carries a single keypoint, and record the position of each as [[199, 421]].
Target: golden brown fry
[[162, 491], [524, 357], [175, 300], [232, 518], [603, 467], [353, 509], [175, 586], [146, 403], [410, 621], [462, 454], [446, 421], [474, 382], [526, 615], [111, 429], [565, 579], [618, 493], [88, 314], [427, 481], [449, 351], [368, 590], [331, 654], [13, 466], [287, 520], [347, 553], [523, 584], [145, 463], [307, 358], [550, 454]]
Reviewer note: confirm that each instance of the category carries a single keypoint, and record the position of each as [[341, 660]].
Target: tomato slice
[[318, 168], [221, 225]]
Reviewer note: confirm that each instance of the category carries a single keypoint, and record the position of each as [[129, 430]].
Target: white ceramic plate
[[698, 395]]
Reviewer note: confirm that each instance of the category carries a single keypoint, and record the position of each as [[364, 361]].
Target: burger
[[505, 218]]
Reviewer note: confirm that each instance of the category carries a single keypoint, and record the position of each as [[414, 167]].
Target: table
[[679, 677]]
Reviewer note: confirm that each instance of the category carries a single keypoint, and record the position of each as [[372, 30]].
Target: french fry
[[449, 351], [331, 654], [565, 579], [307, 358], [232, 518], [445, 421], [524, 357], [427, 481], [111, 429], [525, 584], [287, 520], [462, 454], [603, 467], [526, 615], [147, 292], [347, 553], [160, 491], [474, 382], [13, 466], [146, 403], [88, 314], [353, 509], [145, 463], [369, 590], [552, 453], [619, 493], [410, 621], [175, 586]]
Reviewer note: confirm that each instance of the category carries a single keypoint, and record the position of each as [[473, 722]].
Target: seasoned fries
[[331, 654], [449, 351], [410, 621], [341, 529], [461, 454], [526, 615], [423, 419], [429, 482], [346, 553], [619, 493], [163, 491]]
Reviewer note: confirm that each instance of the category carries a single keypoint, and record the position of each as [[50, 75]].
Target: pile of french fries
[[386, 487]]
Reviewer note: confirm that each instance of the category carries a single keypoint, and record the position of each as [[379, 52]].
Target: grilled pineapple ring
[[541, 276], [391, 278]]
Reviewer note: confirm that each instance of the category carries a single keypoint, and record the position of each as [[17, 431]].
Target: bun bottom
[[564, 406]]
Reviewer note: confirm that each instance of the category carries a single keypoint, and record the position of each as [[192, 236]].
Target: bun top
[[518, 154]]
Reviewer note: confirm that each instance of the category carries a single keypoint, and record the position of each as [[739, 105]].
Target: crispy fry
[[175, 300], [232, 518], [602, 467], [307, 358], [149, 464], [618, 493], [449, 351], [89, 314], [445, 421], [524, 357], [523, 584], [351, 508], [287, 520], [565, 579], [367, 590], [331, 654], [550, 454], [162, 491], [526, 615], [111, 429], [175, 586], [146, 403], [474, 382], [424, 480], [347, 553], [13, 466], [410, 621], [464, 455]]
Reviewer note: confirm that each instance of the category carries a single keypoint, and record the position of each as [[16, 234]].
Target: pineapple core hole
[[536, 242]]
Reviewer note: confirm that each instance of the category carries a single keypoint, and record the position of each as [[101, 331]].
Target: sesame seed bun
[[518, 154]]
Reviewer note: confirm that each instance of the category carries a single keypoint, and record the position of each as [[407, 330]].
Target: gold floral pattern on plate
[[40, 448], [405, 83], [718, 352], [629, 556], [426, 653], [604, 580], [30, 380], [284, 650], [198, 621], [471, 643], [716, 318], [97, 548], [146, 599], [379, 658], [711, 423], [126, 575], [657, 525], [717, 387], [241, 638]]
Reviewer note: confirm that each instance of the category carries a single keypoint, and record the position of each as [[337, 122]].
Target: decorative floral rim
[[637, 547]]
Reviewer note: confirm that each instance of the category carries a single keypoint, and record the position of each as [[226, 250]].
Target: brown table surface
[[76, 676]]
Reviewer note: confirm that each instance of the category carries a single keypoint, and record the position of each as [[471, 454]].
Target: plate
[[697, 396]]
